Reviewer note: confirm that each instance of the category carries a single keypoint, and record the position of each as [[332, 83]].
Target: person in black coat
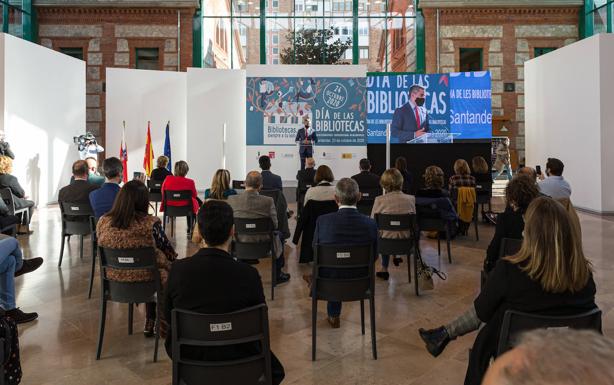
[[519, 193], [213, 282], [270, 181], [549, 276], [78, 191], [19, 194], [160, 172], [366, 179], [306, 177], [401, 164]]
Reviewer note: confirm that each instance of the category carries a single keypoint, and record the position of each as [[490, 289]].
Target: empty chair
[[172, 212], [9, 201], [367, 198], [255, 239], [431, 218], [306, 225], [515, 322], [241, 337], [360, 287], [75, 221], [155, 192], [143, 259]]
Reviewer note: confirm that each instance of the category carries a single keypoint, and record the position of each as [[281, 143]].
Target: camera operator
[[88, 147]]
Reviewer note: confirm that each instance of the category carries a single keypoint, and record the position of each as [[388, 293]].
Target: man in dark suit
[[306, 138], [212, 282], [270, 181], [79, 190], [410, 120], [103, 198], [366, 179], [345, 227]]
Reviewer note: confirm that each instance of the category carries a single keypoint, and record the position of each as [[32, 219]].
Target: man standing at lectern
[[410, 120], [305, 137]]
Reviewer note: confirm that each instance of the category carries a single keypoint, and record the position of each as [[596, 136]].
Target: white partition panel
[[43, 100], [139, 96], [216, 98], [569, 95]]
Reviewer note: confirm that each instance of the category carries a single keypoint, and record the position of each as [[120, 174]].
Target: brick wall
[[507, 37], [109, 38]]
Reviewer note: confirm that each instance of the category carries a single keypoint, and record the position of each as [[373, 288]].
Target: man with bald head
[[528, 171], [251, 205]]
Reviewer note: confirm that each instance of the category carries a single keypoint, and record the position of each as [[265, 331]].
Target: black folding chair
[[209, 332], [256, 228], [331, 259], [172, 212], [129, 292], [75, 221], [367, 199], [238, 185], [484, 195], [155, 192], [406, 246], [430, 219], [7, 196], [515, 323], [509, 246], [93, 223]]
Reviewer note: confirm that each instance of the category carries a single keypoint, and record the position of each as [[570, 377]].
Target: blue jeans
[[11, 260], [385, 261]]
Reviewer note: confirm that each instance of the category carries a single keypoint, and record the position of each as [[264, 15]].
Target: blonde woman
[[220, 186], [462, 176], [394, 201], [7, 180], [161, 171], [550, 275]]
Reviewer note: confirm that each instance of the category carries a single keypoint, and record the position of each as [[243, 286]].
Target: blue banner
[[471, 105], [336, 107]]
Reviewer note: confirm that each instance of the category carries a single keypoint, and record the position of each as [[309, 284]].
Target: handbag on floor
[[9, 350], [425, 275]]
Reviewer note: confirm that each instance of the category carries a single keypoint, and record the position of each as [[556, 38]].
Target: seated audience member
[[7, 220], [129, 226], [213, 282], [13, 265], [306, 177], [102, 199], [220, 186], [434, 194], [270, 181], [401, 164], [529, 172], [394, 201], [251, 204], [323, 189], [347, 226], [481, 172], [79, 190], [462, 176], [19, 195], [557, 356], [433, 184], [5, 147], [179, 182], [365, 178], [519, 193], [93, 177], [161, 171], [555, 186], [549, 276]]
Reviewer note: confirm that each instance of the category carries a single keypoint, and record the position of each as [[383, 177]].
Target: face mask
[[306, 125], [420, 102]]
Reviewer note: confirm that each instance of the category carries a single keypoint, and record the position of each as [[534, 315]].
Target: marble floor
[[59, 348]]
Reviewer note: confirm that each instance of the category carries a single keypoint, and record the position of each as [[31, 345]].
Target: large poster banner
[[276, 107], [452, 107]]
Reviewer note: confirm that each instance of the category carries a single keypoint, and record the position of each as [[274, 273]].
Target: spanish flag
[[148, 160]]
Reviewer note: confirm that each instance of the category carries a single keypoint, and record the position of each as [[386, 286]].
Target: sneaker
[[436, 340], [20, 317], [334, 322], [29, 265], [383, 275]]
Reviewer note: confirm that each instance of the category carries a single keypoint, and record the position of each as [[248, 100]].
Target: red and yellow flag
[[148, 160]]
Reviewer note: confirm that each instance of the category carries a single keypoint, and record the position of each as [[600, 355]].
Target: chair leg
[[438, 245], [89, 294], [103, 314], [372, 315], [448, 244], [416, 288], [157, 330], [130, 317], [314, 314], [156, 209], [409, 268], [164, 222], [81, 246], [362, 316], [62, 250], [273, 275]]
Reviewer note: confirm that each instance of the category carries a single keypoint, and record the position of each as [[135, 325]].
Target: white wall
[[215, 97], [139, 96], [287, 161], [569, 94], [43, 100]]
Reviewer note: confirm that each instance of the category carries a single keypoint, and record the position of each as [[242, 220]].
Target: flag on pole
[[167, 147], [148, 160], [123, 154]]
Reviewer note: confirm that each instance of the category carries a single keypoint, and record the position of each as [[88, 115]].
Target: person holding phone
[[554, 185]]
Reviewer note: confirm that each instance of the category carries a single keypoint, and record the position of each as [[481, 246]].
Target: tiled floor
[[59, 348]]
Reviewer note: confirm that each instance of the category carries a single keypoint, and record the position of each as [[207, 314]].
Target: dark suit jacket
[[306, 177], [8, 180], [271, 181], [103, 198], [306, 225], [404, 125], [77, 192], [367, 180], [345, 226], [159, 174], [510, 224], [300, 137]]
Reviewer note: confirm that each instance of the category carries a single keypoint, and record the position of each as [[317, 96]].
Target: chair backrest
[[396, 222], [230, 334], [355, 258], [154, 184], [509, 246], [76, 218], [7, 197], [429, 218], [515, 322], [238, 184], [184, 196], [369, 194], [258, 229], [129, 259]]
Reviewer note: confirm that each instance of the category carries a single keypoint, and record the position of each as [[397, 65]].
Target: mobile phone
[[538, 169]]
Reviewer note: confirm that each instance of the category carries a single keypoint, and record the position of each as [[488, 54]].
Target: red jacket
[[177, 183]]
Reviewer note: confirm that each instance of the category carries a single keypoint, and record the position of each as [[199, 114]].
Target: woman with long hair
[[549, 276], [220, 186], [129, 225], [400, 164]]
